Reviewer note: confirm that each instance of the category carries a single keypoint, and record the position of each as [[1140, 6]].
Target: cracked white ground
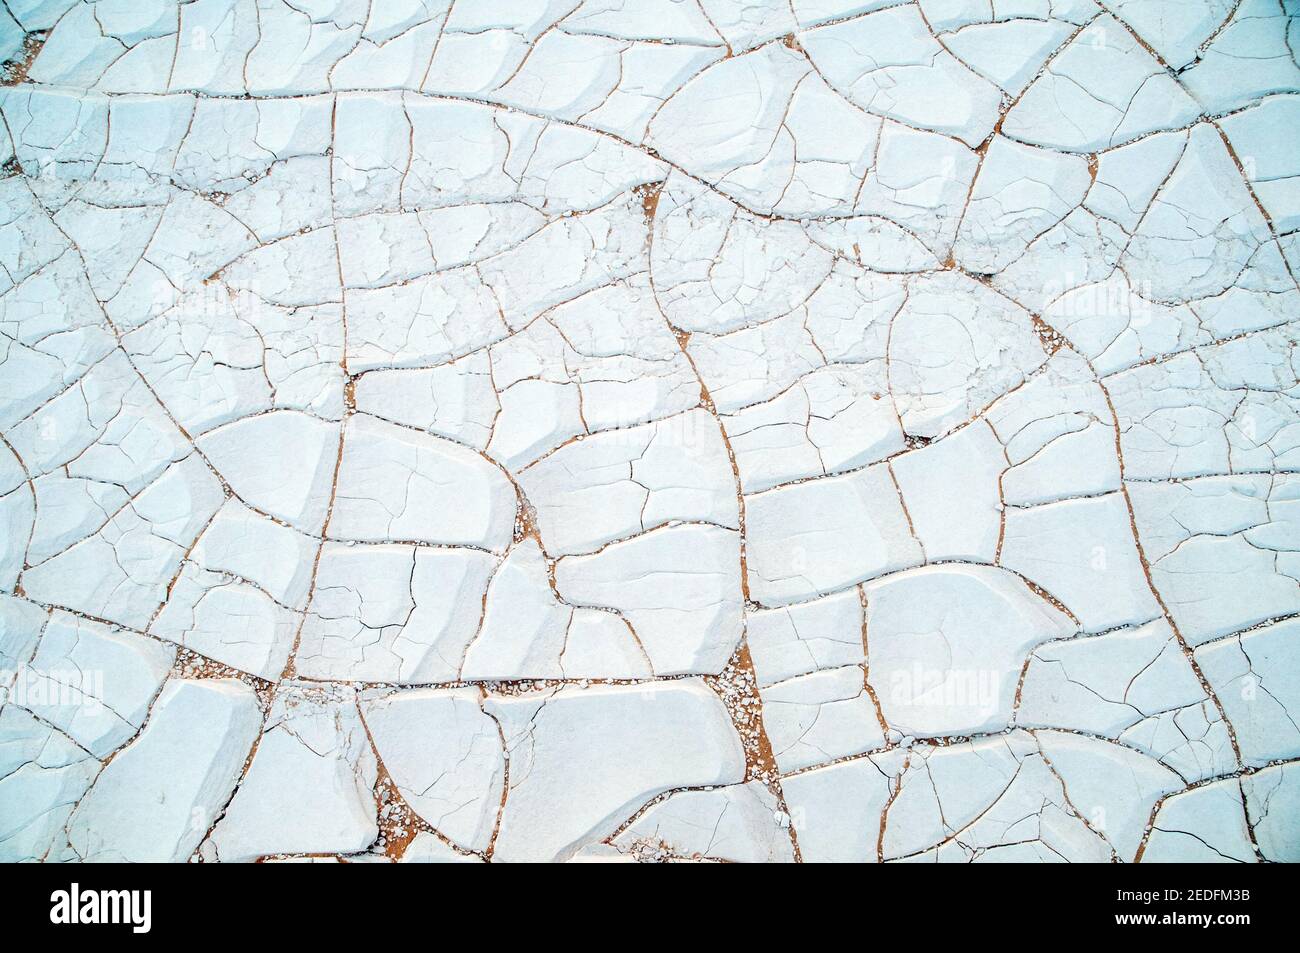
[[547, 430]]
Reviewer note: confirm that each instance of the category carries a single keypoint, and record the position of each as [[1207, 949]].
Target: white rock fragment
[[954, 348], [281, 463], [156, 800], [1219, 550], [614, 485], [739, 823], [1272, 796], [1082, 552], [889, 62], [1136, 686], [1008, 52], [582, 761], [1260, 135], [122, 571], [837, 811], [444, 752], [1249, 674], [984, 799], [1058, 436], [228, 620], [91, 682], [1247, 55], [946, 644], [269, 555], [678, 587], [426, 848], [525, 627], [392, 612], [807, 637], [813, 538], [453, 400], [1103, 90], [309, 788], [1113, 787], [397, 484], [1020, 192], [43, 776], [1181, 255], [952, 492], [832, 420], [816, 718], [1203, 825]]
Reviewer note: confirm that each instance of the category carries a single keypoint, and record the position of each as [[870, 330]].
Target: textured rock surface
[[650, 430]]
